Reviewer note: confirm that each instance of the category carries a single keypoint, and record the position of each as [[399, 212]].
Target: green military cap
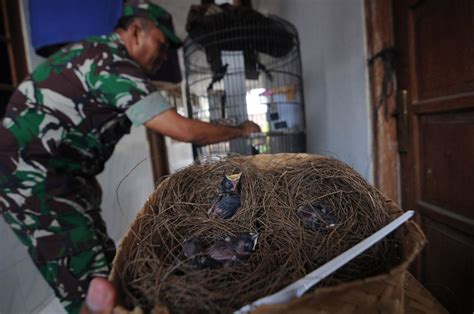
[[158, 15]]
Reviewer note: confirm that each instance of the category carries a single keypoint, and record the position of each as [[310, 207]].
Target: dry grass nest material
[[157, 274]]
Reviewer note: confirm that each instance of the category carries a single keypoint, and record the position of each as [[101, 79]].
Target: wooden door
[[436, 69]]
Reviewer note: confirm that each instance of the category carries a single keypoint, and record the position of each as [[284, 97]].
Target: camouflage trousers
[[65, 236]]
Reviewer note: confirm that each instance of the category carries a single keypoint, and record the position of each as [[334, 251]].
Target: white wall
[[332, 36], [127, 178]]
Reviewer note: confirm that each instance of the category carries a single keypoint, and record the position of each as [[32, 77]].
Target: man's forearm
[[171, 124], [209, 133]]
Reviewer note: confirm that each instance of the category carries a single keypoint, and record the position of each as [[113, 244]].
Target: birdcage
[[242, 66]]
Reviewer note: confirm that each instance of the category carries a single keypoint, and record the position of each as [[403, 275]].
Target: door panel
[[448, 276], [436, 41], [447, 175], [442, 46]]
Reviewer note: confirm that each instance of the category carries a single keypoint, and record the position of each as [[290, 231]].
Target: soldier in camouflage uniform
[[61, 126]]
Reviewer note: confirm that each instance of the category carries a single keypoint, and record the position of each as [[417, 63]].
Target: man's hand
[[248, 127], [100, 297], [171, 124]]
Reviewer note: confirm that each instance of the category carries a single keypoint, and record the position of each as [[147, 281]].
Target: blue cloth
[[59, 21]]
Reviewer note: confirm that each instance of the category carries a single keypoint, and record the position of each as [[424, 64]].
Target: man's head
[[146, 30]]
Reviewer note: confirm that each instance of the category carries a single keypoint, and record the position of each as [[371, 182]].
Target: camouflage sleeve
[[125, 86]]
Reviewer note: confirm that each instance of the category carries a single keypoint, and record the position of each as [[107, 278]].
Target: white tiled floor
[[11, 250], [23, 288], [10, 300], [53, 307], [33, 287]]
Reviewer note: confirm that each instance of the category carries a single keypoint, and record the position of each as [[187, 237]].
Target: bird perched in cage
[[218, 75], [263, 68], [317, 217], [232, 250]]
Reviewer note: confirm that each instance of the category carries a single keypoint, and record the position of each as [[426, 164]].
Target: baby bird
[[245, 243], [232, 250], [194, 250], [227, 200], [225, 206], [230, 183], [316, 217]]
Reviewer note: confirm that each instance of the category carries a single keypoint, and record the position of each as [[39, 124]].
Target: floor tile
[[54, 307], [12, 251], [34, 289], [11, 300]]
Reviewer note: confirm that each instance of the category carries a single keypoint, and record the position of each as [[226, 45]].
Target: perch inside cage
[[242, 65]]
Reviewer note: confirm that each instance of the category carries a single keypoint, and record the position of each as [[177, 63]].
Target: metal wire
[[247, 71]]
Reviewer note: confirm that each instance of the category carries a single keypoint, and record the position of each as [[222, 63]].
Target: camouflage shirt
[[67, 116]]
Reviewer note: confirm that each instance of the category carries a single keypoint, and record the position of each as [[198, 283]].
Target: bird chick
[[194, 250], [223, 251], [226, 202], [192, 247], [233, 250], [225, 206], [316, 217], [230, 183], [245, 243]]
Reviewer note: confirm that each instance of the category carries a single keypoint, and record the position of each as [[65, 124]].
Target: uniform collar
[[115, 37]]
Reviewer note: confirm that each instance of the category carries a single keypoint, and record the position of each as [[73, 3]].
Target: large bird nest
[[157, 274]]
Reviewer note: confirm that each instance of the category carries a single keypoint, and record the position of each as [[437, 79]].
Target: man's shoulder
[[91, 53], [94, 47], [111, 42]]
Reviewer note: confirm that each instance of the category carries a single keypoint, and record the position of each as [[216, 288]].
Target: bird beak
[[254, 239], [234, 177]]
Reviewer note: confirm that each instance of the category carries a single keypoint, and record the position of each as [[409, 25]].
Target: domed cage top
[[246, 68]]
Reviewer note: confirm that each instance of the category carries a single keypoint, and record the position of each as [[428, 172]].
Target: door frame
[[380, 35], [12, 19], [380, 30], [389, 163], [13, 48]]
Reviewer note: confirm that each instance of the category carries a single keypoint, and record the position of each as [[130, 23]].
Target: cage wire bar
[[247, 71]]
